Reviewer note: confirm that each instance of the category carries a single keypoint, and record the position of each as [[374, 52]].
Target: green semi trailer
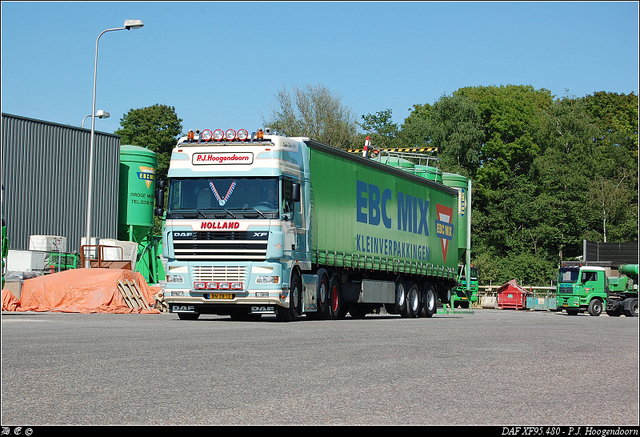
[[264, 224], [587, 288]]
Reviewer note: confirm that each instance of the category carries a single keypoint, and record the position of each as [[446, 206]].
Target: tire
[[400, 305], [337, 308], [412, 306], [322, 297], [595, 307], [295, 293], [631, 308], [429, 301], [615, 312], [445, 294]]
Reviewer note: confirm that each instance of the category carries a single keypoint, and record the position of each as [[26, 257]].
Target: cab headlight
[[268, 280], [175, 279]]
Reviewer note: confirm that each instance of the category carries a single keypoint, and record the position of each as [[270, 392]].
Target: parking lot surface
[[493, 367]]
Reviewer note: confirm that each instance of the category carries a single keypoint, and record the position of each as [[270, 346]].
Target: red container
[[511, 296]]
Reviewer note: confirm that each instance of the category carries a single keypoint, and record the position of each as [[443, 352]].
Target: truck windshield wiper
[[259, 212], [189, 215], [229, 212]]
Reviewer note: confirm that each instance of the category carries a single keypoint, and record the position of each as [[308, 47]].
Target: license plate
[[219, 296]]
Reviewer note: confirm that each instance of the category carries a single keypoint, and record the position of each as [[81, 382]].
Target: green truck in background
[[265, 224], [583, 288], [464, 296], [623, 292]]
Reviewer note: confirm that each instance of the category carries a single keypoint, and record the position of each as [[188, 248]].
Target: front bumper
[[201, 302]]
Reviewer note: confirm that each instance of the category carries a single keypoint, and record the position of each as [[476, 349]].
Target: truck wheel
[[428, 302], [614, 311], [413, 300], [295, 292], [322, 296], [337, 307], [595, 307], [445, 294], [631, 308]]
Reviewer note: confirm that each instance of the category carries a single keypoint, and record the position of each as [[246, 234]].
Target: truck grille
[[565, 289], [220, 246], [220, 274]]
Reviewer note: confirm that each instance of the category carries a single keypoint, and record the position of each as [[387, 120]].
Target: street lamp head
[[133, 24], [102, 114]]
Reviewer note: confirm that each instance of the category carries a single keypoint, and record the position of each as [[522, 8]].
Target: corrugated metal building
[[45, 170]]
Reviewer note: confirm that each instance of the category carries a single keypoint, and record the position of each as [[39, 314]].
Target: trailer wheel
[[400, 304], [337, 307], [445, 294], [428, 302], [295, 292], [595, 307], [413, 300]]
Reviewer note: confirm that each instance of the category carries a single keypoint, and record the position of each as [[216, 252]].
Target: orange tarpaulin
[[79, 291], [9, 301]]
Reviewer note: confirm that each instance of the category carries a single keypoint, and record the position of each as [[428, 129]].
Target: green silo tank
[[137, 192], [395, 161], [459, 183]]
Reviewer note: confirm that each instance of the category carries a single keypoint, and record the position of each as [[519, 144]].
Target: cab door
[[292, 226]]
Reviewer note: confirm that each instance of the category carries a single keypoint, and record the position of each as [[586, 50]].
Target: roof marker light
[[230, 134], [218, 134], [243, 134], [207, 135]]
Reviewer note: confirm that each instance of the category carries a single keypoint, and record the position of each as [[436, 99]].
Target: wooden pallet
[[132, 294]]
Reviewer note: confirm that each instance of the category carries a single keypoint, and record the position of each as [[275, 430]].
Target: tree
[[157, 128], [314, 112], [413, 133], [455, 128], [510, 118], [380, 129]]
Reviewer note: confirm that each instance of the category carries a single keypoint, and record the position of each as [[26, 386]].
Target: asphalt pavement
[[493, 367]]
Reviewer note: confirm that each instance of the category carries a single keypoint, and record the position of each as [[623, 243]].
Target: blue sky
[[221, 64]]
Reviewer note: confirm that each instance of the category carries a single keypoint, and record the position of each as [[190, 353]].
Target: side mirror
[[160, 185], [295, 192]]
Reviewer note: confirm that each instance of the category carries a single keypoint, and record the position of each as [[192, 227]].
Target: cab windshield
[[567, 276], [463, 273], [223, 197]]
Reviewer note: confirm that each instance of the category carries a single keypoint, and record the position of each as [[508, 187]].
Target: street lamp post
[[99, 114], [128, 25]]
